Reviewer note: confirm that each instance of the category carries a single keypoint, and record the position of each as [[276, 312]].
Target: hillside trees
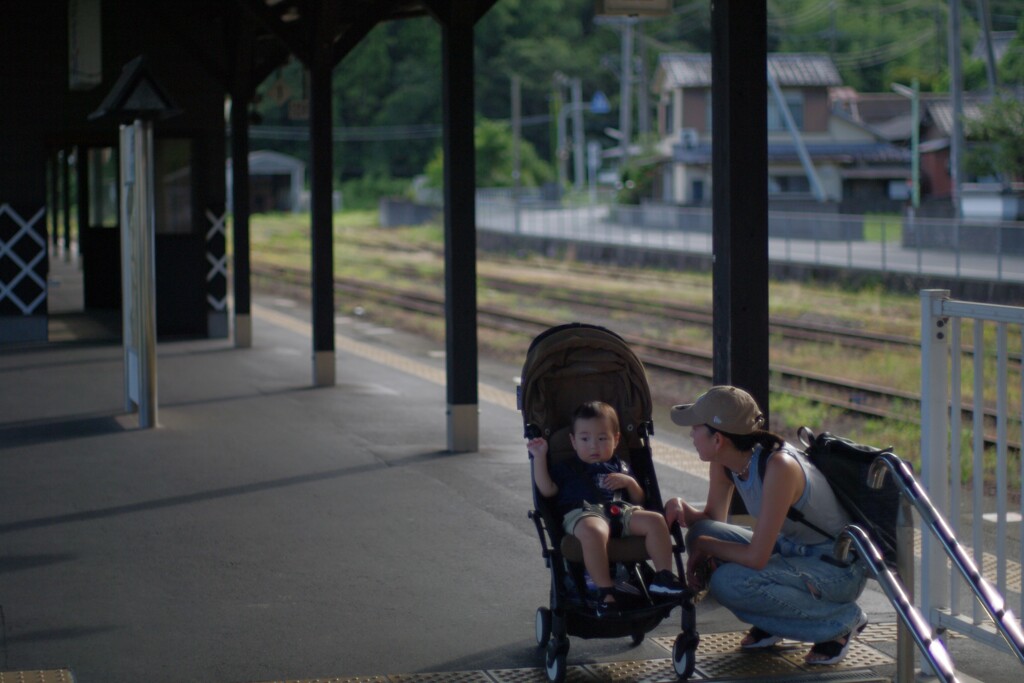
[[387, 91]]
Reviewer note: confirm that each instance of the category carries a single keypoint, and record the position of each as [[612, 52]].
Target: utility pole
[[643, 106], [577, 134], [626, 89], [555, 106], [517, 131], [985, 19], [957, 100], [561, 155], [913, 94]]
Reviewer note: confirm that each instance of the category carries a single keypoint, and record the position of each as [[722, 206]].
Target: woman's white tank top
[[817, 503]]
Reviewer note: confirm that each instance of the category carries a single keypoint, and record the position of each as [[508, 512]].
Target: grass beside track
[[413, 257]]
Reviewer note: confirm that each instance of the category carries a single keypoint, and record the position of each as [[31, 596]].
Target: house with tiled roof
[[889, 115], [850, 161]]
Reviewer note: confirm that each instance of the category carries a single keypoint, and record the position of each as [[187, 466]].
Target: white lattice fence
[[217, 258], [22, 261]]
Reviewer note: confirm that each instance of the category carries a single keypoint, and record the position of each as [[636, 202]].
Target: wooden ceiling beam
[[270, 18]]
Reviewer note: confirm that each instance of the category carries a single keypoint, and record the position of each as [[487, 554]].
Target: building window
[[788, 184], [795, 103], [697, 191]]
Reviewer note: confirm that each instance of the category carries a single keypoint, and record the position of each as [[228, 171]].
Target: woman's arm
[[783, 486], [720, 490]]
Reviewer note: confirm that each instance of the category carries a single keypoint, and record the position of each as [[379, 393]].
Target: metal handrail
[[988, 596], [931, 647]]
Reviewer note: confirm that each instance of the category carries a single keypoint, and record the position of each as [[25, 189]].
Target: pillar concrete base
[[243, 331], [323, 369], [463, 428], [217, 324], [23, 328]]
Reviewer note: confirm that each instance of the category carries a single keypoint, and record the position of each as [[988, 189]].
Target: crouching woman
[[780, 576]]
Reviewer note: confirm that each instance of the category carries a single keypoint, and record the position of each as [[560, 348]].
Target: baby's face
[[594, 440]]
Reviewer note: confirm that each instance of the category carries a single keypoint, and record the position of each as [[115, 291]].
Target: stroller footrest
[[629, 549]]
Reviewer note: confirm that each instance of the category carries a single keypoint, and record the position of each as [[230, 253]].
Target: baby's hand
[[537, 447], [615, 481]]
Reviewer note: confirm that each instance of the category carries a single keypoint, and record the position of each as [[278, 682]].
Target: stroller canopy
[[571, 364]]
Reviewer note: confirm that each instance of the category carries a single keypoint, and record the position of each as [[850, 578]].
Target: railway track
[[857, 398], [788, 329]]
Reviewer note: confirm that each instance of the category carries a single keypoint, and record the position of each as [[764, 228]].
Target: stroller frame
[[597, 352]]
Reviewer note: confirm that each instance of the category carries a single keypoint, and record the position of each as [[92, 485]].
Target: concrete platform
[[268, 531]]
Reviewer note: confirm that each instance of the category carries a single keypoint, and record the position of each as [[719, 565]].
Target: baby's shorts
[[597, 510]]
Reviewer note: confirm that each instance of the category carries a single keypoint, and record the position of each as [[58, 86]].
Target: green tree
[[1011, 68], [493, 140], [391, 83], [1000, 129]]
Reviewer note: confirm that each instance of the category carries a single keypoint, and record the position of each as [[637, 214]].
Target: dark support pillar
[[321, 168], [740, 195], [240, 219], [52, 194], [241, 91], [460, 227], [81, 193], [65, 175]]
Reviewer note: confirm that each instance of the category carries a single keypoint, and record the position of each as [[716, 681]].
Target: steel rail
[[930, 645], [990, 599], [868, 399]]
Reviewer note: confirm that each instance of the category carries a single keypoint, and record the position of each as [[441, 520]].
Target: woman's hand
[[699, 565], [675, 513]]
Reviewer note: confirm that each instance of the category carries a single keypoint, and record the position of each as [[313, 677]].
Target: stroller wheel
[[637, 637], [543, 622], [684, 652], [554, 661]]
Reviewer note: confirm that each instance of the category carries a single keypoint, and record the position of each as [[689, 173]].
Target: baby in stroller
[[589, 492], [589, 458]]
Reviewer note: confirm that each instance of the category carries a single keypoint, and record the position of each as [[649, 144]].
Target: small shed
[[276, 182]]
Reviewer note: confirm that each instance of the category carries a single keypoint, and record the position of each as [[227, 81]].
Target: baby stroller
[[566, 366]]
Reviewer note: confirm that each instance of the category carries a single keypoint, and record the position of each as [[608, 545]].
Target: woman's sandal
[[760, 639], [835, 650]]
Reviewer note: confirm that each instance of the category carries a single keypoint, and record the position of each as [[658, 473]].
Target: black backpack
[[845, 465]]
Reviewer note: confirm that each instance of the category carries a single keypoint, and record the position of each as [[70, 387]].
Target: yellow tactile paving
[[718, 657], [780, 663], [49, 676]]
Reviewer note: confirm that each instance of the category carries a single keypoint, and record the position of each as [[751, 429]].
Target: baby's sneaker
[[665, 584]]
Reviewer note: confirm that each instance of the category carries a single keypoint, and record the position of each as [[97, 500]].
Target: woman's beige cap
[[727, 409]]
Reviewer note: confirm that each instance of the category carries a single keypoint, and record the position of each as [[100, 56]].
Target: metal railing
[[960, 249], [933, 521], [911, 620], [944, 435]]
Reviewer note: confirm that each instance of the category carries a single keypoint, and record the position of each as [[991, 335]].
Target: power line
[[882, 53], [807, 15], [423, 131]]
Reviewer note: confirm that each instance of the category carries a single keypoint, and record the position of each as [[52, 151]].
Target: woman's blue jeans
[[797, 595]]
